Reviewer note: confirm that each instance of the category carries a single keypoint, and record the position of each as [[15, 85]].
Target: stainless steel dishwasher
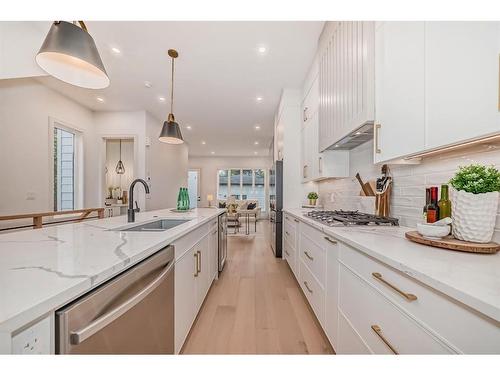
[[133, 313]]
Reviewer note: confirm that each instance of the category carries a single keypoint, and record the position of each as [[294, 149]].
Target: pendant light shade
[[171, 131], [69, 53], [120, 168]]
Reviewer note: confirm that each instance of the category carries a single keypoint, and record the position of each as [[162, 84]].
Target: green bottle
[[444, 203], [184, 199], [179, 199]]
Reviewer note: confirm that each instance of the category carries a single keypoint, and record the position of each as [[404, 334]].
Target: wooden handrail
[[38, 216]]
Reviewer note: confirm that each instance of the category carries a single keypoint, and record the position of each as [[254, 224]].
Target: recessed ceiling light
[[148, 84], [100, 99], [259, 98], [188, 127], [203, 142], [162, 99], [358, 133], [262, 49], [336, 146], [256, 143], [257, 127], [116, 50], [212, 152]]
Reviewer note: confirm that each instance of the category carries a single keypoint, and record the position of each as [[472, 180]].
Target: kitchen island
[[44, 269]]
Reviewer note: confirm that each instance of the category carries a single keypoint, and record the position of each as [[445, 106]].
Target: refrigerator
[[276, 207]]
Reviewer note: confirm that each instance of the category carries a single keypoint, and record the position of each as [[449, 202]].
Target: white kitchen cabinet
[[193, 279], [310, 102], [185, 295], [214, 254], [320, 165], [346, 79], [332, 290], [461, 81], [399, 89]]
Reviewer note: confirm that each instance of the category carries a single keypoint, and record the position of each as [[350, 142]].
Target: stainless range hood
[[355, 138]]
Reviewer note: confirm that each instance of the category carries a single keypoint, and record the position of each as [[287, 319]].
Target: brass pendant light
[[120, 168], [69, 53], [171, 132]]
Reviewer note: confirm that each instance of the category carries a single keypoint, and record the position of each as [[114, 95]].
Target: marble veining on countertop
[[473, 279], [43, 269]]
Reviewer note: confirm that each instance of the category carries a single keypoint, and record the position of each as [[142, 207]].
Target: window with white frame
[[65, 161], [241, 183]]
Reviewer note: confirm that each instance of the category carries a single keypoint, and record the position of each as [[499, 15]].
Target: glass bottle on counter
[[179, 199], [427, 202], [444, 203], [432, 208]]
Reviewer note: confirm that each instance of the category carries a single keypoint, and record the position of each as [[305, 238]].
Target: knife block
[[383, 202]]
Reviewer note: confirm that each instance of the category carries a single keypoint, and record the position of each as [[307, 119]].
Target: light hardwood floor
[[256, 306]]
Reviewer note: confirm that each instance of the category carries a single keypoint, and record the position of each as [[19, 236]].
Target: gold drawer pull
[[410, 297], [330, 240], [307, 287], [378, 332], [196, 264], [307, 255]]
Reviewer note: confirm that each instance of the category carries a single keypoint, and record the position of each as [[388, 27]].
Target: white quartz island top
[[473, 279], [43, 269]]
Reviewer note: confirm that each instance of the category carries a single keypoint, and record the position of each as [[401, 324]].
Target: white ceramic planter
[[473, 215]]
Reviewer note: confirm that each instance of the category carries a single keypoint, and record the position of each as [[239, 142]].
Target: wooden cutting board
[[452, 243]]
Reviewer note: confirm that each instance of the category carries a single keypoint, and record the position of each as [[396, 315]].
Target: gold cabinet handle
[[305, 114], [378, 332], [196, 264], [199, 261], [377, 131], [408, 296], [330, 240], [320, 165], [307, 287], [307, 255]]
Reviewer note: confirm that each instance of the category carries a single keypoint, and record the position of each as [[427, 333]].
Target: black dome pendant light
[[69, 53], [171, 132], [120, 168]]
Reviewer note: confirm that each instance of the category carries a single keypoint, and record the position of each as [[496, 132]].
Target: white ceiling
[[219, 74]]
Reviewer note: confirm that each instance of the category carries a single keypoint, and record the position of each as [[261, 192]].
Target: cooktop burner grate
[[340, 217]]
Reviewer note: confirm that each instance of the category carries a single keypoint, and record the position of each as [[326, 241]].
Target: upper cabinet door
[[399, 89], [345, 79], [462, 81]]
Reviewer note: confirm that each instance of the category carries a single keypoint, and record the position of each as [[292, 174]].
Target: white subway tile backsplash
[[410, 181]]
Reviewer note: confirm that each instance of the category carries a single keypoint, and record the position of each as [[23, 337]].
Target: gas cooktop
[[340, 217]]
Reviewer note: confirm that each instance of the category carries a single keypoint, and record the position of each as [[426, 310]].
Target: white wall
[[25, 162], [210, 165], [410, 181], [166, 167]]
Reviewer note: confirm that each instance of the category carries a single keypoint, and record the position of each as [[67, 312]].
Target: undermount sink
[[155, 226]]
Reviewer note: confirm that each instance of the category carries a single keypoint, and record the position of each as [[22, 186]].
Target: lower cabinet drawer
[[460, 327], [314, 292], [349, 340], [290, 257], [314, 256], [383, 327]]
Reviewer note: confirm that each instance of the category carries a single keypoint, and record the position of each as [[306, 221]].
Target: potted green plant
[[313, 197], [474, 202]]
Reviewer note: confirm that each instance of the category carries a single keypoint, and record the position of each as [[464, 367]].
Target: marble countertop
[[473, 279], [43, 269]]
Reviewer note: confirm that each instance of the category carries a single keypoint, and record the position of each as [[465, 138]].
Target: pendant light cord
[[172, 89], [120, 149]]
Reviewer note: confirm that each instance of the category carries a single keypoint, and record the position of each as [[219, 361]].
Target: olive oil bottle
[[444, 203]]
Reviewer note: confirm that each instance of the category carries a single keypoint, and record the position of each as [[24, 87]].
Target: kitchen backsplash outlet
[[410, 181]]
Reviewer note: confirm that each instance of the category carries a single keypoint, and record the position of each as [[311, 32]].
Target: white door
[[399, 89], [461, 81], [194, 187]]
